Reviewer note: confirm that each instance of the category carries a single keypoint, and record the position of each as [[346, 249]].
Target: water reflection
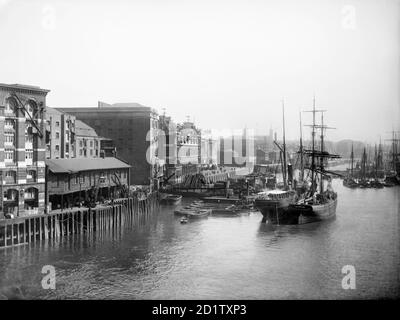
[[222, 257]]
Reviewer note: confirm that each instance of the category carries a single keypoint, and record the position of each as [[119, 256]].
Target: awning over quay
[[75, 165]]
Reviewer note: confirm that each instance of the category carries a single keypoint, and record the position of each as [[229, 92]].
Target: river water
[[222, 257]]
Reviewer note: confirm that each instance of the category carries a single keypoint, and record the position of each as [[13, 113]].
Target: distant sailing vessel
[[375, 182], [317, 204], [349, 181], [392, 177], [364, 182]]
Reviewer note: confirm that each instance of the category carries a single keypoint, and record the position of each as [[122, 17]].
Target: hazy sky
[[223, 63]]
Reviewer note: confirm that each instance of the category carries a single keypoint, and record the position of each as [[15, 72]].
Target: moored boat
[[376, 184], [274, 203], [349, 181], [318, 204], [313, 210], [171, 199], [193, 213]]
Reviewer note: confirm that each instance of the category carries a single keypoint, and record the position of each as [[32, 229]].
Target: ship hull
[[313, 213], [299, 214], [272, 210]]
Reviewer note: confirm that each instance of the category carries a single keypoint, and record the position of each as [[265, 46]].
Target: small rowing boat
[[193, 213], [171, 199]]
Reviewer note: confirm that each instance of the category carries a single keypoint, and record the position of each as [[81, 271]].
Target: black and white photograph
[[187, 150]]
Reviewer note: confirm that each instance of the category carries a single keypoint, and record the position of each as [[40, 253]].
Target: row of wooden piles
[[32, 229]]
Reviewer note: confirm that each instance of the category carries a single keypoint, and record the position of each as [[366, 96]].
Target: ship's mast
[[352, 161], [364, 164], [284, 147], [394, 152], [301, 152], [313, 149], [376, 162], [321, 154], [321, 182]]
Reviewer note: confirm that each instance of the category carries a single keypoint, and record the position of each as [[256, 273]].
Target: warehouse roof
[[79, 164], [82, 129]]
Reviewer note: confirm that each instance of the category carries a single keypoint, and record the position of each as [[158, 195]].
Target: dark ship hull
[[350, 183], [272, 210]]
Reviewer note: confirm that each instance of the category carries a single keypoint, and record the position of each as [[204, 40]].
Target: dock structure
[[61, 224]]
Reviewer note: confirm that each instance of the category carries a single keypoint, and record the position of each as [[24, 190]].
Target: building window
[[57, 148], [29, 110], [9, 124], [10, 176], [91, 152], [30, 193], [57, 135], [9, 138], [80, 143], [31, 175], [28, 154], [11, 107], [80, 152], [9, 155], [29, 138], [57, 123], [91, 143]]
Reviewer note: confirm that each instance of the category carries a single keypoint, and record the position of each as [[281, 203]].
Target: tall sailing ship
[[275, 202], [319, 203]]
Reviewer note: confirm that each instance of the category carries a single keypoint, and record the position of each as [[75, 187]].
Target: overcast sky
[[226, 64]]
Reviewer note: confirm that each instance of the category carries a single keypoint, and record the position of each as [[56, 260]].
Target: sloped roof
[[78, 164], [50, 110], [82, 129]]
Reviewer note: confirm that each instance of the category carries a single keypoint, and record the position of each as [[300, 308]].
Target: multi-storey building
[[22, 149], [134, 130], [60, 134], [168, 149], [209, 148], [188, 147], [67, 137], [87, 142]]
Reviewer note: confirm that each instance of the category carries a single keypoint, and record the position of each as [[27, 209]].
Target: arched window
[[11, 195], [30, 110], [30, 194], [11, 107], [31, 175]]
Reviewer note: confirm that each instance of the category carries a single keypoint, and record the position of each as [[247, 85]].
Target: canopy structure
[[77, 165]]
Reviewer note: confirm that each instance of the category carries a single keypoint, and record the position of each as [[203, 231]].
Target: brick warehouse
[[22, 149], [128, 125]]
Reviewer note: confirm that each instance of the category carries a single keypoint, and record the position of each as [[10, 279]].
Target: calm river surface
[[223, 258]]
